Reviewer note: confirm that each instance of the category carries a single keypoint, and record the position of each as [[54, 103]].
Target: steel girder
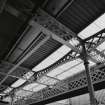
[[67, 58], [63, 34], [93, 41], [54, 28], [67, 85]]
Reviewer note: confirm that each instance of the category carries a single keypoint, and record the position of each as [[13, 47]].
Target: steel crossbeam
[[97, 55], [94, 41], [62, 34], [67, 58], [68, 85]]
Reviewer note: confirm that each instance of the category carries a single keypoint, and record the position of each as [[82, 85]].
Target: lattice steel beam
[[92, 43], [99, 56], [6, 65], [67, 58], [58, 31], [68, 85], [54, 28], [95, 40], [9, 65]]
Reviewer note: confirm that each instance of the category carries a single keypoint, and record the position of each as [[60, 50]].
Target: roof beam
[[58, 31], [94, 41], [54, 36]]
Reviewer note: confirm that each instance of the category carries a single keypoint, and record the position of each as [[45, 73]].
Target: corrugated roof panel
[[81, 13], [45, 50]]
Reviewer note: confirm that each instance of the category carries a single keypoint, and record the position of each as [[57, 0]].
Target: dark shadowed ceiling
[[12, 23]]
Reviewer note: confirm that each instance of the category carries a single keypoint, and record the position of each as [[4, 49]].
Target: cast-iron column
[[88, 75]]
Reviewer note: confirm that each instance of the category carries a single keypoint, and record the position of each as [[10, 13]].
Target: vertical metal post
[[89, 81]]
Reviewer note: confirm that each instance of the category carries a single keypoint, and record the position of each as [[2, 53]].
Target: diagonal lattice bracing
[[58, 31], [70, 84], [97, 55], [67, 58], [49, 23], [95, 40]]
